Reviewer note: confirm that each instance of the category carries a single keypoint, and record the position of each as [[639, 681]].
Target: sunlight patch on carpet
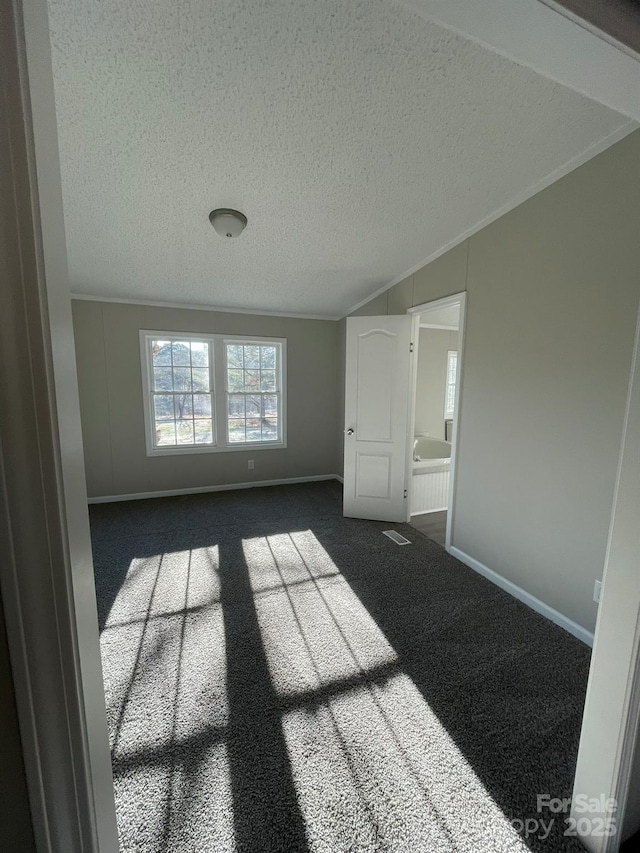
[[165, 632], [360, 736]]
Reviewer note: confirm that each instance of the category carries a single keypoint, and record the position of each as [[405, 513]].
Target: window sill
[[157, 452]]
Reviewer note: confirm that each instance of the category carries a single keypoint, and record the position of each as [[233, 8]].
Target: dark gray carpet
[[279, 678]]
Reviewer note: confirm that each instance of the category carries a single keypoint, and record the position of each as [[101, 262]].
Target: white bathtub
[[429, 450], [431, 470]]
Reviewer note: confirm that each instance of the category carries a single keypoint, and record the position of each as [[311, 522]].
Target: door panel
[[376, 417]]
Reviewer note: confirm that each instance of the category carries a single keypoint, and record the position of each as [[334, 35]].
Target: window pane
[[451, 383], [252, 380], [251, 356], [236, 429], [270, 429], [235, 380], [203, 432], [253, 429], [234, 355], [200, 378], [162, 379], [165, 434], [267, 380], [453, 358], [199, 354], [183, 405], [181, 353], [161, 352], [235, 406], [202, 405], [253, 406], [253, 416], [182, 379], [179, 368], [268, 357], [269, 405], [184, 432], [163, 407]]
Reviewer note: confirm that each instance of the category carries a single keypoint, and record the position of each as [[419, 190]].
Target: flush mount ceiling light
[[227, 222]]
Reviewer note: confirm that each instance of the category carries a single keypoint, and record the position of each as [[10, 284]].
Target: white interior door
[[376, 417]]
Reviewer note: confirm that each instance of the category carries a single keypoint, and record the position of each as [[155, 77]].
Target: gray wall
[[631, 817], [553, 289], [433, 351], [342, 357], [16, 834], [109, 377]]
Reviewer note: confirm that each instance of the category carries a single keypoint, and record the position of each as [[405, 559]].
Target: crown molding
[[579, 160], [154, 303]]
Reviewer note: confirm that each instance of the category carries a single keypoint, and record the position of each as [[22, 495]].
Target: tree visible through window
[[211, 392], [450, 398], [182, 393], [253, 392]]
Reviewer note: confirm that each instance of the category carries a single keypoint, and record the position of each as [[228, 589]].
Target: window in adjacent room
[[211, 393], [450, 398]]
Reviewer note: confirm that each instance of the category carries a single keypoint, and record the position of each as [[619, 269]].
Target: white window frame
[[218, 383], [449, 413], [280, 345]]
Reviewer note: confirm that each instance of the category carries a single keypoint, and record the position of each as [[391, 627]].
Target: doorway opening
[[437, 334]]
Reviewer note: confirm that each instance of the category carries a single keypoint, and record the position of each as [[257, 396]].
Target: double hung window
[[212, 392]]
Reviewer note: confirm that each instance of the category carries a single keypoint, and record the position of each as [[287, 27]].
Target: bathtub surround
[[430, 475], [552, 296], [112, 406], [430, 486]]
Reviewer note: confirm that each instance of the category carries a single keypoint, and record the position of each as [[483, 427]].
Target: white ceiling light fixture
[[227, 222]]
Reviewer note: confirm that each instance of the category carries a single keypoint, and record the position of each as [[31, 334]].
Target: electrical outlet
[[597, 589], [250, 464]]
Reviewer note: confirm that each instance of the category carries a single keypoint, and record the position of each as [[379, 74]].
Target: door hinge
[[405, 494], [411, 347]]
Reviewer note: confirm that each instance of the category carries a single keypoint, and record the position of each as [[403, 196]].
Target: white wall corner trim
[[527, 193], [524, 596], [226, 487], [608, 762]]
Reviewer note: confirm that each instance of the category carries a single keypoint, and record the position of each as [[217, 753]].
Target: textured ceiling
[[357, 137]]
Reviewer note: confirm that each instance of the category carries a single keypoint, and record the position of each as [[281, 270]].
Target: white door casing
[[420, 313], [376, 417]]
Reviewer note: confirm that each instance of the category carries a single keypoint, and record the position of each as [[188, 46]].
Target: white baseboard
[[138, 496], [524, 596], [428, 511]]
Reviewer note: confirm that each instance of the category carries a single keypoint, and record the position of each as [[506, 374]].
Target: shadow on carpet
[[280, 678]]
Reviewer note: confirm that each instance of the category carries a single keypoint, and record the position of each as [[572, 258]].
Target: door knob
[[350, 431]]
